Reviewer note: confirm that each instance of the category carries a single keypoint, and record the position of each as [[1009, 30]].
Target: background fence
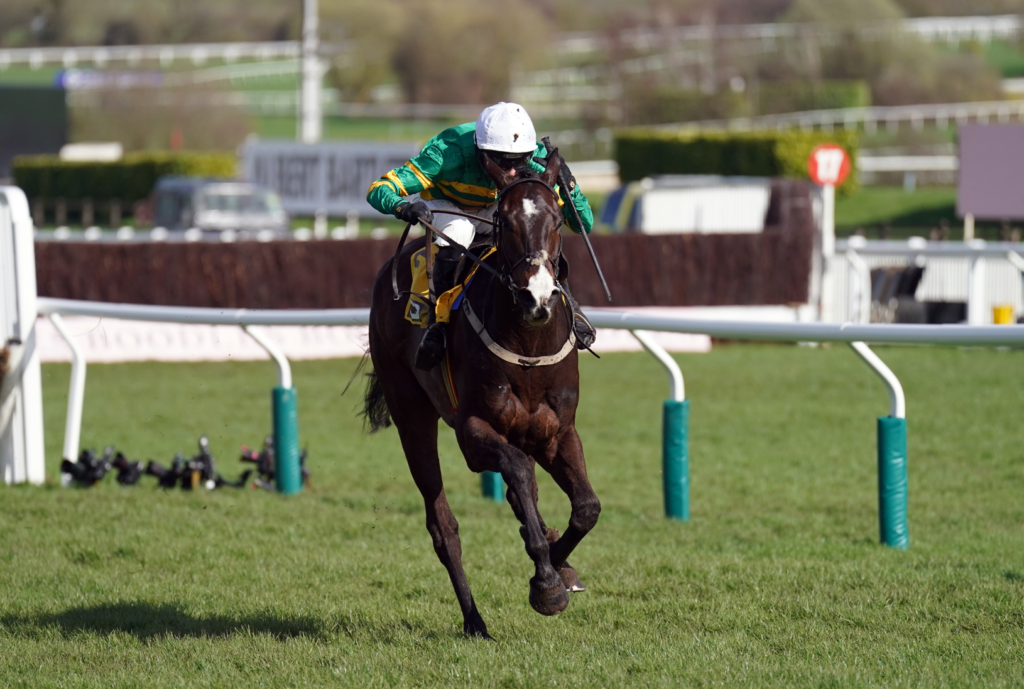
[[981, 275]]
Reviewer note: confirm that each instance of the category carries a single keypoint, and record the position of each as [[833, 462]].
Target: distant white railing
[[131, 55], [908, 163], [933, 29], [889, 117]]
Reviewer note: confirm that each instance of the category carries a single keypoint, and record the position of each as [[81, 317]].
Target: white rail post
[[312, 75], [976, 312], [76, 394], [285, 416], [21, 395], [675, 455], [828, 251], [863, 273], [892, 456]]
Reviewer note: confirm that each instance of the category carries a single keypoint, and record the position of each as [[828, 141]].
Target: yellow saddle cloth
[[418, 306]]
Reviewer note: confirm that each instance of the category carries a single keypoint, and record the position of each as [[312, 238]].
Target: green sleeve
[[578, 199], [415, 176], [582, 205]]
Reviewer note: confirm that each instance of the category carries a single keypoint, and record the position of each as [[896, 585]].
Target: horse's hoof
[[548, 600], [571, 579], [476, 629]]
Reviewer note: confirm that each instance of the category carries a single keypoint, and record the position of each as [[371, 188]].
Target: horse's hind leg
[[416, 421], [420, 444]]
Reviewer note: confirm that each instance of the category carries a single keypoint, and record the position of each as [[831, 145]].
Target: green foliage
[[460, 51], [777, 580], [131, 179], [659, 104], [835, 11], [641, 153], [790, 96]]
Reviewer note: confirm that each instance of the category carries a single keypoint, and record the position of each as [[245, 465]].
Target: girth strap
[[511, 357]]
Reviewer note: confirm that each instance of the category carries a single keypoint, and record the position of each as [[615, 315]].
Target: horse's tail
[[375, 408]]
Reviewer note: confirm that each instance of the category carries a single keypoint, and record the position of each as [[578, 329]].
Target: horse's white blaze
[[529, 207], [541, 285]]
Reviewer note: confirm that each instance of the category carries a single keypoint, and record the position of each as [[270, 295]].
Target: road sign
[[828, 165]]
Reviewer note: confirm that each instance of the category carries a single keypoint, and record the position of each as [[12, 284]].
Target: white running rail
[[625, 320]]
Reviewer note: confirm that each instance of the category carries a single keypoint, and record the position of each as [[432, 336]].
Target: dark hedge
[[130, 179], [642, 153]]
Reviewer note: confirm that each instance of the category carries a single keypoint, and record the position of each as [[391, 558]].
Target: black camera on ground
[[191, 474], [128, 472], [264, 461], [89, 469]]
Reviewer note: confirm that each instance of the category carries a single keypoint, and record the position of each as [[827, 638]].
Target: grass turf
[[778, 578]]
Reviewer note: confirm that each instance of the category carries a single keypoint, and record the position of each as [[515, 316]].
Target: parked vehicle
[[215, 206], [690, 204]]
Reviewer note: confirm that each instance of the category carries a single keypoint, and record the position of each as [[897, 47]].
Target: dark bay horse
[[509, 415]]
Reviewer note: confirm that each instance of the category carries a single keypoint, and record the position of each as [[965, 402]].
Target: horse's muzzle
[[537, 313]]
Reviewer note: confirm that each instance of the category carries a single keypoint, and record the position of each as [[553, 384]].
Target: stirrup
[[585, 332], [431, 348]]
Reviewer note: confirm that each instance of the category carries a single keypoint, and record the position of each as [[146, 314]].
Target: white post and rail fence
[[21, 449]]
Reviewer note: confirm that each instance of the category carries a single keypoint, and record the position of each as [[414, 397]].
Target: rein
[[430, 228], [505, 276]]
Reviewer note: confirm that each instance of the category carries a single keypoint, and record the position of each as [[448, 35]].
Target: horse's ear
[[550, 174], [501, 178]]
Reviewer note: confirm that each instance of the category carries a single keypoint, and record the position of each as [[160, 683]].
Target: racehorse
[[514, 378]]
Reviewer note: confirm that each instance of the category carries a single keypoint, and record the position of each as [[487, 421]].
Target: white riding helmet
[[507, 128]]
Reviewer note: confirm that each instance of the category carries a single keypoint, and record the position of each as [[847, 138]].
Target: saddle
[[417, 307]]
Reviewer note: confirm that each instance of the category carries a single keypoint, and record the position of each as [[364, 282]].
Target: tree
[[462, 51]]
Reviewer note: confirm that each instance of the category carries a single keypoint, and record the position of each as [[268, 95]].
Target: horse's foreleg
[[548, 594], [569, 470]]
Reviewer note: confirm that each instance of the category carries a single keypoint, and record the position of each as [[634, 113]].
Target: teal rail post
[[287, 470], [492, 486], [892, 456], [892, 482], [675, 460], [675, 419]]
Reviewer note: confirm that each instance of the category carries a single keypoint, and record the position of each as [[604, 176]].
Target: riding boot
[[431, 348], [585, 333]]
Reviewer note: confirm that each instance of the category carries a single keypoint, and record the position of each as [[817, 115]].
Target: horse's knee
[[585, 514]]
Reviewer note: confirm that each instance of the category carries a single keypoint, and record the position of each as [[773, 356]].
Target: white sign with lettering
[[332, 177]]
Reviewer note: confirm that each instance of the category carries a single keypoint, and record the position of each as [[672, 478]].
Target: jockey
[[448, 175]]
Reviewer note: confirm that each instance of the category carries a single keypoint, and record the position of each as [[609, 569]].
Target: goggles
[[507, 161]]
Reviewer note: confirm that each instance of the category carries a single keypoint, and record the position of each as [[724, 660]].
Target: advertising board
[[330, 177]]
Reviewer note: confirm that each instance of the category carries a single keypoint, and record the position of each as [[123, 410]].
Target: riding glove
[[414, 212], [543, 162]]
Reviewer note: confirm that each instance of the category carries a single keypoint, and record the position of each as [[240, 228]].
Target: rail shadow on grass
[[148, 620]]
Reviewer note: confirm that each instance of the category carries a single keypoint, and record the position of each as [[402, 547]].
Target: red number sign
[[828, 165]]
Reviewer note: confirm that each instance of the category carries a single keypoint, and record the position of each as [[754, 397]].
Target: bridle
[[504, 277], [500, 224]]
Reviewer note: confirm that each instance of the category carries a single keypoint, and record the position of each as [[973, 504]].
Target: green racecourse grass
[[777, 580]]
